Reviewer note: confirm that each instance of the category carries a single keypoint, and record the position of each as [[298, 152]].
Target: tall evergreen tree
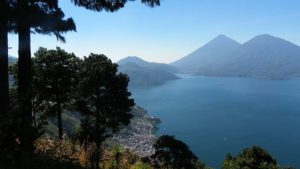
[[7, 123], [4, 84], [56, 80], [105, 103], [41, 16], [34, 15]]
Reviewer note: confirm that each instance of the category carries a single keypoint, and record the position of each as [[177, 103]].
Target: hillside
[[263, 56], [143, 73], [138, 136]]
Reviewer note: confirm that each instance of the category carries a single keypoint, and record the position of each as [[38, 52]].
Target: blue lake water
[[216, 116]]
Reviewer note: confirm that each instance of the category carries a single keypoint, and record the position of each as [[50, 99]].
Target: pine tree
[[42, 17], [104, 103], [4, 82], [55, 81]]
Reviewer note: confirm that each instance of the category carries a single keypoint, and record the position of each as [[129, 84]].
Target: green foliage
[[141, 165], [172, 153], [55, 80], [249, 158], [117, 155], [104, 100], [44, 19], [117, 149], [56, 75], [38, 104]]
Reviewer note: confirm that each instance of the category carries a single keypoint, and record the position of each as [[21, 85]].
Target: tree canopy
[[55, 79], [251, 158], [175, 154], [104, 101]]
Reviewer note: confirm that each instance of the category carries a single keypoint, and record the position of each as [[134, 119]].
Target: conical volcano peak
[[222, 39]]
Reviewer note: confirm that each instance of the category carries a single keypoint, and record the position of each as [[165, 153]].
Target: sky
[[172, 30]]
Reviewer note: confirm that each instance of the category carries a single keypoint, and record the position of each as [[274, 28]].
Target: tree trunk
[[24, 72], [97, 156], [27, 137], [59, 120], [98, 132], [117, 158], [34, 119], [58, 107], [4, 81]]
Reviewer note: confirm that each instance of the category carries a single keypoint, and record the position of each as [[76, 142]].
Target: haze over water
[[216, 116]]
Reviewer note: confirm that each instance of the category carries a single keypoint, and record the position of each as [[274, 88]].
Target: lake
[[216, 115]]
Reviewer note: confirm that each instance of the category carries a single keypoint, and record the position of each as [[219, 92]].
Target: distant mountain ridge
[[263, 56], [143, 73]]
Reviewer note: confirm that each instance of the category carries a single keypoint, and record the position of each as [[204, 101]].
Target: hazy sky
[[173, 30]]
